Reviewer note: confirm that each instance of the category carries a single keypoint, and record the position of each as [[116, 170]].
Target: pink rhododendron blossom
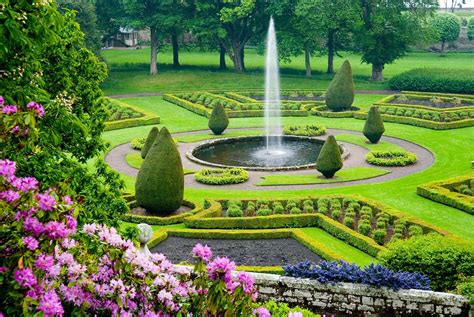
[[15, 129], [202, 252], [25, 184], [46, 202], [25, 277], [44, 262], [262, 312], [220, 267], [56, 230], [9, 109], [2, 101], [295, 314], [7, 169], [50, 304], [30, 243], [9, 196], [246, 281], [36, 107], [33, 225], [67, 200]]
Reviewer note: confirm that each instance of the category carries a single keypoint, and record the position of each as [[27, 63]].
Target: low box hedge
[[440, 191], [161, 221], [323, 111], [148, 118]]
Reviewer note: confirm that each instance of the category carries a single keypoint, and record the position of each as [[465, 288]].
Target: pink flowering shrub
[[48, 266]]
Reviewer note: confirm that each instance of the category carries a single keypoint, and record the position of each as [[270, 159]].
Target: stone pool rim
[[190, 154]]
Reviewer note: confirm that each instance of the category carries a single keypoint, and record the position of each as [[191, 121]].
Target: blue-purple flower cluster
[[374, 275]]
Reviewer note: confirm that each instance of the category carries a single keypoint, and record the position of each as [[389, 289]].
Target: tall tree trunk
[[222, 64], [174, 42], [443, 48], [377, 72], [242, 57], [154, 49], [236, 56], [331, 49], [307, 60]]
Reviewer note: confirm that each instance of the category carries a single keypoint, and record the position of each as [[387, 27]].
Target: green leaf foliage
[[218, 121], [150, 139], [160, 182], [470, 29], [447, 26], [373, 128], [329, 160], [340, 93], [441, 259]]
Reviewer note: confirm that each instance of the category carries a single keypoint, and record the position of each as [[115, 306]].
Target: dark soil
[[143, 212], [429, 103], [265, 252], [293, 98]]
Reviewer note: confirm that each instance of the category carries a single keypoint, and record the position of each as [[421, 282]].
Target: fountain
[[272, 95], [271, 151]]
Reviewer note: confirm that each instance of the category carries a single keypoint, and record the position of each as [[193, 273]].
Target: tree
[[389, 28], [374, 128], [448, 27], [470, 29], [332, 19], [109, 14], [61, 74], [453, 4], [329, 160], [218, 121], [150, 139], [159, 187], [340, 93], [151, 14], [87, 19]]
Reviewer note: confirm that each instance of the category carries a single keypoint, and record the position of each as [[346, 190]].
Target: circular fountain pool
[[251, 153]]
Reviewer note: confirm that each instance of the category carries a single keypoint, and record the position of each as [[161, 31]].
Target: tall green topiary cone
[[329, 160], [374, 129], [160, 182], [218, 121], [150, 139], [340, 93]]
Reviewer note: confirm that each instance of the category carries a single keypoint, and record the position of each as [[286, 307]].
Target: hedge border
[[206, 112], [385, 102], [438, 192], [148, 118], [238, 96], [440, 94], [211, 218], [404, 158], [287, 130], [313, 245], [215, 179], [323, 111], [160, 221]]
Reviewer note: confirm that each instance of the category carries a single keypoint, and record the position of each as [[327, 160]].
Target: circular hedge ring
[[304, 130], [222, 176], [390, 158]]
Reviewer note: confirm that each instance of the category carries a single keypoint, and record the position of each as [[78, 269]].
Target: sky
[[469, 3]]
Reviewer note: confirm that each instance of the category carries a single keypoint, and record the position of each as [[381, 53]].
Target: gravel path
[[155, 94], [116, 159], [263, 252]]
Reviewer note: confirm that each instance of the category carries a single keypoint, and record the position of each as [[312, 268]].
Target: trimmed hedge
[[222, 176], [437, 80], [440, 191], [323, 111], [304, 130], [161, 221], [390, 158], [148, 118]]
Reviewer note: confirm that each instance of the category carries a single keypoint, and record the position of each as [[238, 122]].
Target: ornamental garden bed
[[455, 192], [391, 158], [362, 223], [122, 115], [245, 252]]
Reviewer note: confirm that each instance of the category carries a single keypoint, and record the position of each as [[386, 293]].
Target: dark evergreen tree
[[374, 129], [340, 93], [218, 121], [329, 160]]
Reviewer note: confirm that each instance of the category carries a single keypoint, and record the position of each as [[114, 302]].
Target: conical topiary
[[329, 160], [340, 93], [160, 182], [374, 128], [218, 121], [150, 139]]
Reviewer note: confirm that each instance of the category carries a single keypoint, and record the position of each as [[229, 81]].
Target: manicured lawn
[[344, 175], [129, 71], [362, 141], [449, 148], [205, 136], [135, 160]]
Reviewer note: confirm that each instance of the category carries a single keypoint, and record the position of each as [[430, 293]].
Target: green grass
[[129, 71], [135, 160], [205, 136], [449, 147], [363, 142], [344, 175]]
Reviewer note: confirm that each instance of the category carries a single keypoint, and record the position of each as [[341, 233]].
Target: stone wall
[[344, 299]]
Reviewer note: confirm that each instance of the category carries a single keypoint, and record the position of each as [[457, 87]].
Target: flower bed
[[361, 222], [455, 192], [304, 130], [128, 116], [324, 111], [222, 176], [390, 158]]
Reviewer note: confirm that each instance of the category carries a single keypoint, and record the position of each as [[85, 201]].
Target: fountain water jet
[[272, 95]]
